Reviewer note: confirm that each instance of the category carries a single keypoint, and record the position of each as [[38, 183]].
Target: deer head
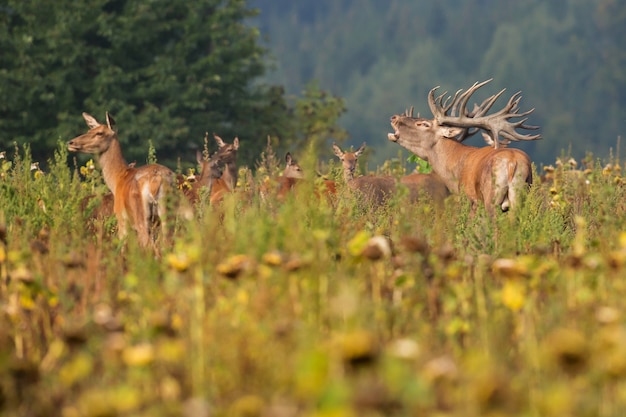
[[292, 168], [348, 160], [98, 139]]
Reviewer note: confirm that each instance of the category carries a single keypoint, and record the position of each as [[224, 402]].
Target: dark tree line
[[168, 71]]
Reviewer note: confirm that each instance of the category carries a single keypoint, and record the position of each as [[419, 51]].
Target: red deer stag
[[138, 193], [492, 174], [373, 189]]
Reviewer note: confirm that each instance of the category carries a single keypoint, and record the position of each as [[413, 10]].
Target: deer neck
[[348, 176], [230, 175], [113, 165], [448, 161]]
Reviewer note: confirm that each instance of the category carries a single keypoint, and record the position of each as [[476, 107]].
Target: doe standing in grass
[[138, 193]]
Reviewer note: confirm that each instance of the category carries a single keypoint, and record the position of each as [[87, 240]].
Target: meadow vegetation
[[306, 307]]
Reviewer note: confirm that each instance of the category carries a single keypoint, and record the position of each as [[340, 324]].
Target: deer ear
[[451, 132], [359, 151], [288, 158], [110, 122], [90, 120], [219, 141], [236, 143], [337, 150]]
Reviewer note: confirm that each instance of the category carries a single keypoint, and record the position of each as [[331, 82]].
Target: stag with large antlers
[[492, 174]]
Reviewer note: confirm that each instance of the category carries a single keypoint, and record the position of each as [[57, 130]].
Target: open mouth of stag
[[396, 133]]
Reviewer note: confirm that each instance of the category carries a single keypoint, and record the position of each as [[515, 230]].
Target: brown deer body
[[211, 176], [430, 185], [138, 193], [491, 175], [373, 189], [292, 175]]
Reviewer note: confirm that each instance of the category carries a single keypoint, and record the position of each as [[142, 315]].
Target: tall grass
[[306, 308]]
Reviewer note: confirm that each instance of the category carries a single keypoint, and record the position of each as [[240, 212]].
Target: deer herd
[[493, 175]]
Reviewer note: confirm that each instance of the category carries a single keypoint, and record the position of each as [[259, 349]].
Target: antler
[[453, 111]]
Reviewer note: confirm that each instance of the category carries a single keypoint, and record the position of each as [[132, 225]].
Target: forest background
[[305, 71]]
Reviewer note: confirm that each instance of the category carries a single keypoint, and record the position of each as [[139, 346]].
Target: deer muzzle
[[73, 146]]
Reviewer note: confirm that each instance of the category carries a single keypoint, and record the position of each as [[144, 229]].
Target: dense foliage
[[384, 56], [303, 308], [167, 70]]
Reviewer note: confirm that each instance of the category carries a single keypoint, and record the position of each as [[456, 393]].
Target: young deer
[[290, 178], [227, 153], [138, 193], [293, 175], [211, 176], [374, 189]]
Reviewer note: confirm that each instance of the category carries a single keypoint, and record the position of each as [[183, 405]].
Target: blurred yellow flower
[[513, 295], [138, 355]]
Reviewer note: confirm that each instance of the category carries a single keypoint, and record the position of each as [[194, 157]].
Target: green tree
[[168, 70], [317, 114]]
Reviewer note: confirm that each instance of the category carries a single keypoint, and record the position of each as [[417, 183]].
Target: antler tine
[[411, 111], [486, 105], [464, 98], [498, 125]]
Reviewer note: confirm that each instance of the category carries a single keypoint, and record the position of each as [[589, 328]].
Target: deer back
[[430, 185], [376, 190]]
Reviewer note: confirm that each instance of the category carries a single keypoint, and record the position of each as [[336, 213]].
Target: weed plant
[[310, 307]]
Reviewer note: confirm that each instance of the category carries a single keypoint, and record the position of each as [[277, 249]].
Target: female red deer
[[373, 189], [293, 175], [138, 193], [491, 175], [211, 176]]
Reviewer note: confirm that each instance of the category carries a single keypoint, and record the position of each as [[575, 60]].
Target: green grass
[[261, 308]]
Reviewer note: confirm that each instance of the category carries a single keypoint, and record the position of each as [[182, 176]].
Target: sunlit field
[[306, 306]]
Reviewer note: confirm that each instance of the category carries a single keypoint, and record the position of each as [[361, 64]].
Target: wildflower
[[404, 349], [513, 295], [357, 348], [607, 315], [509, 268], [566, 349], [274, 258], [377, 248], [138, 355], [234, 266]]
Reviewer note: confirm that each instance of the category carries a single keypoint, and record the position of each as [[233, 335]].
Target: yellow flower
[[138, 355], [273, 258], [513, 295], [234, 266]]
